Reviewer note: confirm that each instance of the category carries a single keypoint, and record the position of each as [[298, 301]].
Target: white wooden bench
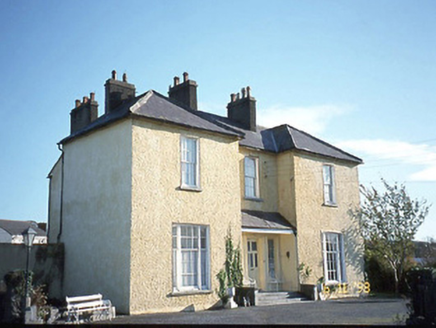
[[94, 306]]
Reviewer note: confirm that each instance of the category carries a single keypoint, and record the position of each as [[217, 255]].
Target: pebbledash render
[[144, 195]]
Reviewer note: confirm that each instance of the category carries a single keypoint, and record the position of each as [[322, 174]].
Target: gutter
[[62, 193]]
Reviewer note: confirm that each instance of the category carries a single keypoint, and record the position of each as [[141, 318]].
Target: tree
[[389, 222]]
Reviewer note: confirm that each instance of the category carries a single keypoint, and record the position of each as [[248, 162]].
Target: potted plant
[[231, 276]]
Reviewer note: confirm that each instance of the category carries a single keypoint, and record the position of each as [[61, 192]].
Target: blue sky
[[358, 74]]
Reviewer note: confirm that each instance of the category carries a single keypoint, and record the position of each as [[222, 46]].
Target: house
[[143, 196], [424, 253], [11, 232]]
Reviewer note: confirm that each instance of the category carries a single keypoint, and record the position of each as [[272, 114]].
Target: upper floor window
[[251, 177], [329, 184], [189, 162]]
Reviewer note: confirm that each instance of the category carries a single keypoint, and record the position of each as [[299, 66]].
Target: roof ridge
[[142, 99]]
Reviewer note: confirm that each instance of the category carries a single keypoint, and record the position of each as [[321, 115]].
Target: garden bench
[[89, 308]]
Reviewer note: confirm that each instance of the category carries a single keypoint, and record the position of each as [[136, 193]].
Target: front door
[[252, 258]]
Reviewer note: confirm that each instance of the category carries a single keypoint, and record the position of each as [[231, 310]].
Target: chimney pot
[[84, 113], [184, 93], [117, 91], [243, 110]]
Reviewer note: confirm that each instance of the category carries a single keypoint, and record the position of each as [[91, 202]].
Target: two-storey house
[[144, 195]]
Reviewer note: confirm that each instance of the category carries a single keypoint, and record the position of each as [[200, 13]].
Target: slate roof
[[281, 138], [265, 220], [18, 227], [153, 105]]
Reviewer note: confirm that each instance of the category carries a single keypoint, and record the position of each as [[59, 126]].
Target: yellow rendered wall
[[286, 186], [96, 215], [289, 263], [267, 181], [158, 202], [313, 217]]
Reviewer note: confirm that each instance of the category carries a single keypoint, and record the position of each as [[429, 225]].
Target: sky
[[358, 74]]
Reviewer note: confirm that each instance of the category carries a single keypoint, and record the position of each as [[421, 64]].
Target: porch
[[269, 252]]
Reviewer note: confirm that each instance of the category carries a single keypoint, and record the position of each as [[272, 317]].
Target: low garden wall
[[46, 261]]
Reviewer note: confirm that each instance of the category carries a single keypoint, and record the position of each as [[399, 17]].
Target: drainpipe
[[62, 194]]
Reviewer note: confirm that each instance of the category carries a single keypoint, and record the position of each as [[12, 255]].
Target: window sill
[[254, 199], [188, 188], [330, 205], [335, 283], [191, 292]]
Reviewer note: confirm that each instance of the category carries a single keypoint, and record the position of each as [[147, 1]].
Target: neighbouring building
[[143, 196], [11, 232]]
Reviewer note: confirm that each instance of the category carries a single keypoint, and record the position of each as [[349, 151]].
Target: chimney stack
[[185, 93], [84, 113], [243, 110], [117, 92]]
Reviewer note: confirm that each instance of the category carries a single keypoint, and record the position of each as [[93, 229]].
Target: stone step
[[273, 298]]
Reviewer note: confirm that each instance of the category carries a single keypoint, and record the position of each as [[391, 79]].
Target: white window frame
[[184, 162], [329, 185], [256, 178], [177, 260], [338, 254]]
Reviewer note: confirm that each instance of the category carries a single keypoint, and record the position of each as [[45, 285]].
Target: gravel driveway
[[345, 311]]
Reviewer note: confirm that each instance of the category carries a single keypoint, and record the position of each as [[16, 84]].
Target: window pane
[[204, 268], [174, 237], [327, 174], [189, 268], [250, 167], [249, 187], [271, 266], [254, 246]]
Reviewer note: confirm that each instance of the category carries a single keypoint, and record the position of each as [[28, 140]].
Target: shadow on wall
[[354, 250]]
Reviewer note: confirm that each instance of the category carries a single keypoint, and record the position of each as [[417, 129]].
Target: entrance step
[[274, 298]]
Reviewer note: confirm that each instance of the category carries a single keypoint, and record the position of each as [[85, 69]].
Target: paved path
[[346, 311]]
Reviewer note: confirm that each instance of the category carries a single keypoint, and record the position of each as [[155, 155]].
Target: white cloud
[[389, 152], [313, 119]]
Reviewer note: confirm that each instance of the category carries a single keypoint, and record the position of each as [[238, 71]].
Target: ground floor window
[[333, 257], [190, 257]]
